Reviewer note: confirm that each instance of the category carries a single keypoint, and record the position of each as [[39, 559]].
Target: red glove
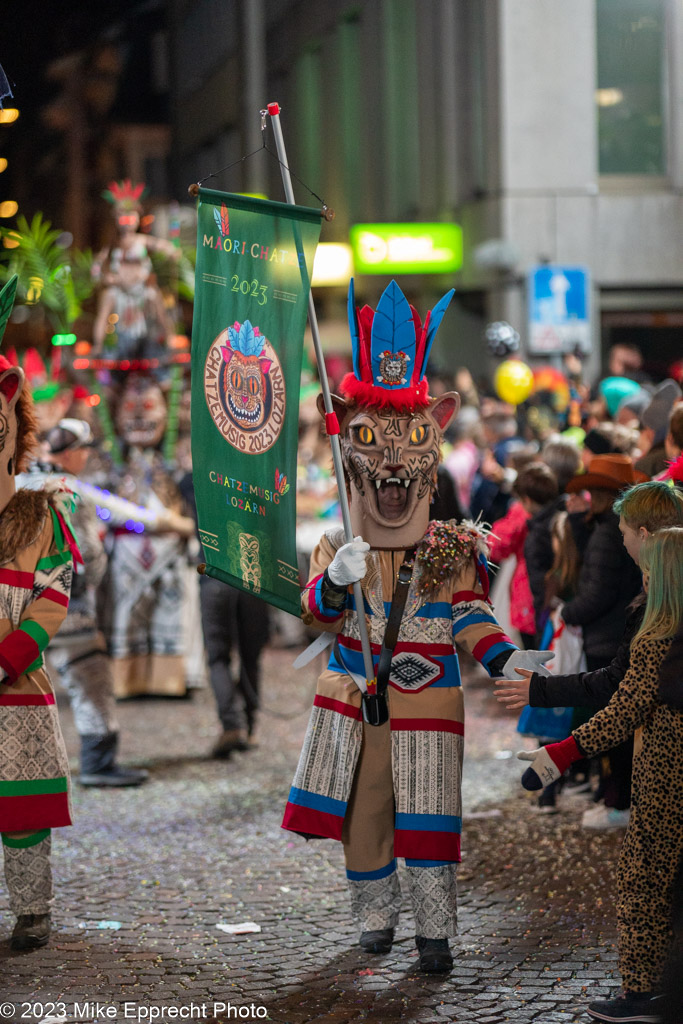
[[549, 763]]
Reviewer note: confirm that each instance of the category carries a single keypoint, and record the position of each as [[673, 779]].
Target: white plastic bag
[[567, 644]]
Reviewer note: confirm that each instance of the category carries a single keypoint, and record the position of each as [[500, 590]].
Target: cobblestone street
[[146, 876]]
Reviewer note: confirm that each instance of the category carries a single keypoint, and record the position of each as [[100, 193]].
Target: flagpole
[[331, 422]]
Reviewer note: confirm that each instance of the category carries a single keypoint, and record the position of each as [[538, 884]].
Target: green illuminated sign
[[406, 248], [63, 339]]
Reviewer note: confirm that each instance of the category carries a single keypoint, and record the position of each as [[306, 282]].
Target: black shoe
[[631, 1008], [378, 941], [230, 739], [115, 776], [30, 931], [435, 956]]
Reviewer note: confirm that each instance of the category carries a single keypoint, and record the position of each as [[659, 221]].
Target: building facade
[[552, 133]]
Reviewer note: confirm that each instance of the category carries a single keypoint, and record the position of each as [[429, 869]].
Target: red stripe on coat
[[483, 645], [315, 823], [465, 595], [30, 813], [427, 724], [55, 595], [337, 705], [427, 845], [15, 578], [17, 651], [18, 700]]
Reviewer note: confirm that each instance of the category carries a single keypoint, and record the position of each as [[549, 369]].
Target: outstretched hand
[[516, 691], [532, 660]]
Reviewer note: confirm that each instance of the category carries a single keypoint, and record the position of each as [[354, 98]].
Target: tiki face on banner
[[390, 428]]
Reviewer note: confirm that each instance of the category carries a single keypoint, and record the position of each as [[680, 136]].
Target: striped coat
[[425, 702], [35, 580]]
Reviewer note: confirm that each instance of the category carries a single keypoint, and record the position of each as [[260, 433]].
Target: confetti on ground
[[245, 928]]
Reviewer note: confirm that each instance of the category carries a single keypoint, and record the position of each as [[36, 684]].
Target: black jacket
[[671, 673], [608, 582], [538, 552], [589, 689]]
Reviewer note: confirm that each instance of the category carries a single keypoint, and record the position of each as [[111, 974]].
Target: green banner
[[254, 263]]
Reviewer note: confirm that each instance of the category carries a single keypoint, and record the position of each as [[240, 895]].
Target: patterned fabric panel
[[376, 902], [427, 770], [414, 666], [322, 784], [330, 749], [433, 893], [29, 877], [31, 745]]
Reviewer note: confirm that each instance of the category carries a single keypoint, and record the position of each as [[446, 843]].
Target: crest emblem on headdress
[[390, 351]]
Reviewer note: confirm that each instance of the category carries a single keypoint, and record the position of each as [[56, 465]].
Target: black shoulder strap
[[398, 603]]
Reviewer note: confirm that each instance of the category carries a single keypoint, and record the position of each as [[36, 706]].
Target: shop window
[[630, 92]]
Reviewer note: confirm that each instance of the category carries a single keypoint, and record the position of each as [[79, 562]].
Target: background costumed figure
[[36, 550], [393, 790], [144, 588], [131, 321]]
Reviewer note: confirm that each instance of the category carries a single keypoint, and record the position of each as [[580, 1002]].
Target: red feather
[[225, 221], [674, 471]]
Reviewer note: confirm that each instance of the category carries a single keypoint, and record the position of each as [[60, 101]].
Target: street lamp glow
[[8, 115], [3, 163], [333, 264], [8, 208], [608, 97]]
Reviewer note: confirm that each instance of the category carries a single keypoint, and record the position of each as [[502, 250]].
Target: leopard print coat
[[653, 846]]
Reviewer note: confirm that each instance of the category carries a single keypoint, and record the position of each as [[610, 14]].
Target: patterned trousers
[[85, 673], [27, 871], [368, 839]]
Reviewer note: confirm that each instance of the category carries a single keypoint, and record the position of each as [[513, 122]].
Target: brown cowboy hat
[[607, 472]]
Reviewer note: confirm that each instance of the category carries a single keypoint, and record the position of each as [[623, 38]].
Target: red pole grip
[[331, 423], [273, 109]]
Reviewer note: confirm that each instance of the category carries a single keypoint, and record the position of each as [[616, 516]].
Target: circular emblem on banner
[[245, 388]]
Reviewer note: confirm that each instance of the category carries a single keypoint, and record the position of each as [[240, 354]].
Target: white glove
[[348, 565], [533, 661]]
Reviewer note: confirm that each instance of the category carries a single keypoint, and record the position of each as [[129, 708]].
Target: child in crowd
[[642, 510], [506, 540], [653, 845], [542, 500], [560, 582]]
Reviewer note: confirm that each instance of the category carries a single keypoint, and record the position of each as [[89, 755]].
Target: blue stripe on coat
[[317, 802], [428, 822], [429, 863], [472, 619], [495, 650], [363, 876]]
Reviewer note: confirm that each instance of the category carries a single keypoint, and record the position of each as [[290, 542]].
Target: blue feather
[[393, 328], [353, 328], [434, 321]]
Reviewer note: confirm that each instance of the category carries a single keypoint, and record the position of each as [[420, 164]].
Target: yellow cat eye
[[236, 380], [253, 385], [418, 435], [366, 435]]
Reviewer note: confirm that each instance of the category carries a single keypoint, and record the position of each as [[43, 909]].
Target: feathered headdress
[[124, 194], [390, 351]]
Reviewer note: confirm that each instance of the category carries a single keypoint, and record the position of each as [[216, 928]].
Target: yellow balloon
[[513, 381]]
